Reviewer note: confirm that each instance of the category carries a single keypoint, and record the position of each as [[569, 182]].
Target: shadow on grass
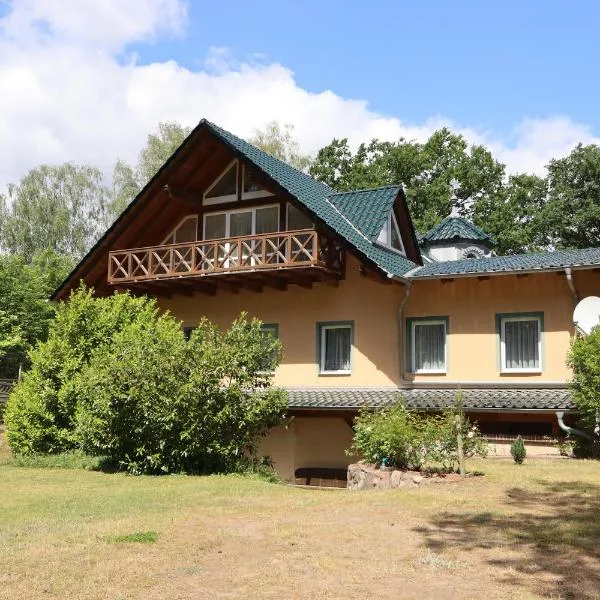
[[552, 534]]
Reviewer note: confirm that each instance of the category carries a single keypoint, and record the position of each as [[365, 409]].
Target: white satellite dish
[[587, 314]]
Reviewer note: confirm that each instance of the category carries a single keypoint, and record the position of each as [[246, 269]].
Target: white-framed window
[[390, 234], [270, 331], [335, 348], [241, 221], [185, 231], [297, 219], [251, 189], [225, 187], [428, 345], [521, 343]]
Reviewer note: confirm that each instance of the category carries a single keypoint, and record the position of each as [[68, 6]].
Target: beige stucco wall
[[471, 304], [371, 305], [308, 442]]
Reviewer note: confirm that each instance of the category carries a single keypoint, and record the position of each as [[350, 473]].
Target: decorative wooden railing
[[288, 249]]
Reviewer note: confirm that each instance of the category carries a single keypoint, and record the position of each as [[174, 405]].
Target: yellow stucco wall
[[471, 305], [371, 305], [308, 442]]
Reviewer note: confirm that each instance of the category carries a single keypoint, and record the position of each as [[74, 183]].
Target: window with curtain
[[335, 348], [428, 346], [520, 343], [269, 331]]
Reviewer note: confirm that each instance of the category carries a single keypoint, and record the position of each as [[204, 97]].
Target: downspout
[[570, 430], [407, 289], [569, 275], [561, 414]]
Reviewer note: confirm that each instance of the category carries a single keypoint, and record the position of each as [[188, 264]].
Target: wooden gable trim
[[87, 264]]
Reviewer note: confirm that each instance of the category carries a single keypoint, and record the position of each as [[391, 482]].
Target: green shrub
[[405, 439], [584, 359], [518, 450], [156, 403], [40, 412], [116, 379]]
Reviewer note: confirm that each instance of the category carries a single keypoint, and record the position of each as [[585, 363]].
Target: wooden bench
[[320, 473]]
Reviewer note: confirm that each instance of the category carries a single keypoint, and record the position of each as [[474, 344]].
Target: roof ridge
[[220, 129], [373, 189]]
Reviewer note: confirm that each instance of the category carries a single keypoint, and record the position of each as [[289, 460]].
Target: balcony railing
[[283, 250]]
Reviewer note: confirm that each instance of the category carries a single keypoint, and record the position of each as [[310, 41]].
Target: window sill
[[330, 373], [429, 372], [521, 372]]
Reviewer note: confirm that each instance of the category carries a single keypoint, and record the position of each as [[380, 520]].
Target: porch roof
[[501, 399]]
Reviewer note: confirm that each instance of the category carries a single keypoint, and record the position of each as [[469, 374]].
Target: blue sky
[[87, 80], [487, 64]]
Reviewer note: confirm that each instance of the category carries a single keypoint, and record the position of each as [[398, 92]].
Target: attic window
[[251, 188], [184, 232], [390, 234], [224, 189]]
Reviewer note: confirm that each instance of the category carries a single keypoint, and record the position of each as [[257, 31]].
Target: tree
[[441, 174], [584, 359], [128, 181], [155, 402], [117, 378], [25, 312], [40, 413], [571, 216], [512, 215], [53, 207], [279, 142]]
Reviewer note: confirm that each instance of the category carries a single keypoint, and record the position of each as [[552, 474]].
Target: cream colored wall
[[308, 442], [371, 305], [471, 305]]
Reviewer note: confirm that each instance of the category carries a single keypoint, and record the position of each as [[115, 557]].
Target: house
[[363, 308]]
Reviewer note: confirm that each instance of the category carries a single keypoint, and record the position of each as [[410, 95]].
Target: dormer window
[[390, 234], [225, 187]]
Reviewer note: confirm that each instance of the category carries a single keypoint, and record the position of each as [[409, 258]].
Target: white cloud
[[70, 91]]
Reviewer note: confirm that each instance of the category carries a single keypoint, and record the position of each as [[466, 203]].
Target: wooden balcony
[[298, 257]]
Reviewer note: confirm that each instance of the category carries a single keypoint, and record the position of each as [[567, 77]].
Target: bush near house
[[405, 439], [117, 379], [584, 359]]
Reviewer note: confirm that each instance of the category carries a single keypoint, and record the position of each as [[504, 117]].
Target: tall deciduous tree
[[25, 312], [129, 180], [571, 216], [279, 141], [438, 175], [55, 207]]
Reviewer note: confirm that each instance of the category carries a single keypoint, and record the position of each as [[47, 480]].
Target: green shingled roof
[[322, 201], [519, 262], [367, 209], [454, 229], [502, 399]]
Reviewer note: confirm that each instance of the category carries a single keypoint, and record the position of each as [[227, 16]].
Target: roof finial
[[454, 186]]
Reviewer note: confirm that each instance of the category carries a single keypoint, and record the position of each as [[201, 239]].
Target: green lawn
[[518, 532]]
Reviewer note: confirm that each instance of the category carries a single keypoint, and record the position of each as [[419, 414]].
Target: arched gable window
[[225, 187], [186, 231]]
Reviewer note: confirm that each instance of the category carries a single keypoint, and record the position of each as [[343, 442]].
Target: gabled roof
[[316, 197], [540, 261], [367, 209], [455, 229], [322, 201]]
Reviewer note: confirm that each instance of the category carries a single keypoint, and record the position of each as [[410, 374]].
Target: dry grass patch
[[519, 532]]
